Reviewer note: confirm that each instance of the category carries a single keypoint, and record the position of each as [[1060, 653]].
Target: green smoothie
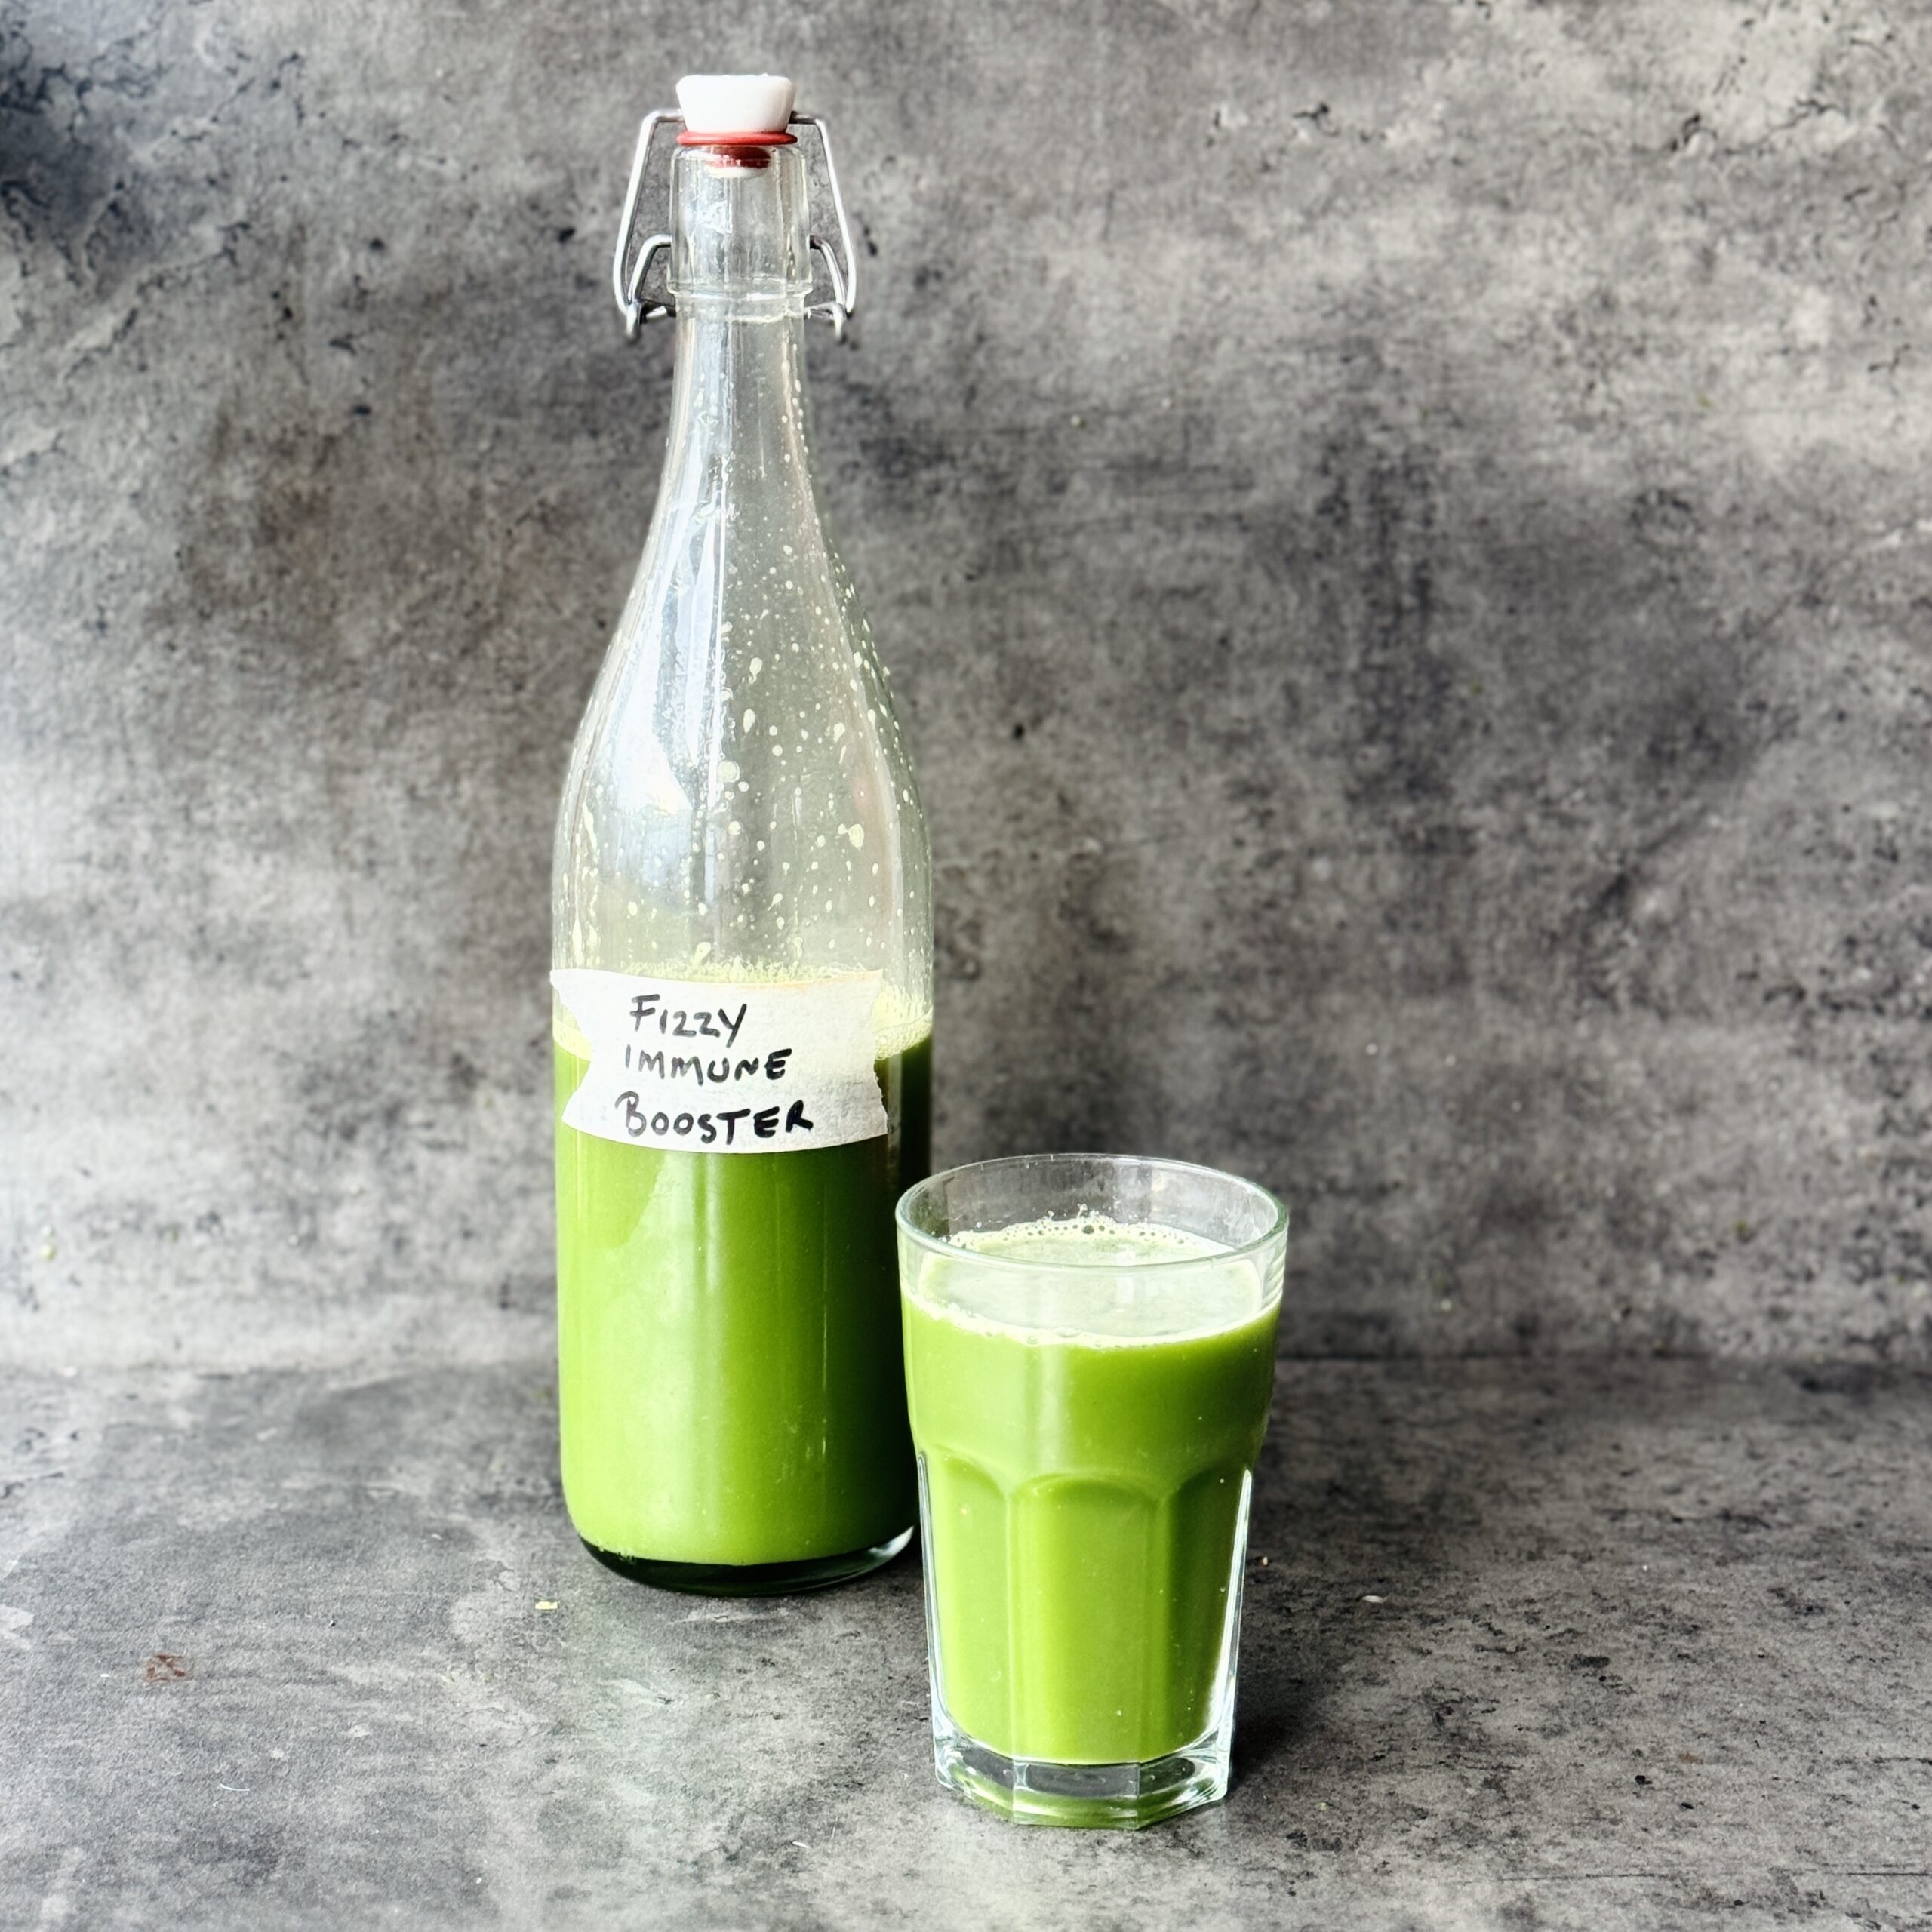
[[1085, 1450], [730, 1386]]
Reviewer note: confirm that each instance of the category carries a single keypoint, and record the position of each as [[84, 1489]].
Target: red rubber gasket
[[779, 139]]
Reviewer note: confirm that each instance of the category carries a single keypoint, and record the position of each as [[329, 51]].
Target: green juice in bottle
[[743, 961]]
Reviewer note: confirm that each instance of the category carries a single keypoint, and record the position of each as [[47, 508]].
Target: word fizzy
[[690, 1025], [638, 1121]]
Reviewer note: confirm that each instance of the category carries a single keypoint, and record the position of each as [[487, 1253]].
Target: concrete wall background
[[1401, 528]]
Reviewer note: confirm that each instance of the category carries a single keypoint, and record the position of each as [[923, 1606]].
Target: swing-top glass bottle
[[743, 951]]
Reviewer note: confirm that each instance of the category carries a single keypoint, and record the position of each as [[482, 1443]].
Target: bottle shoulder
[[691, 709], [741, 796]]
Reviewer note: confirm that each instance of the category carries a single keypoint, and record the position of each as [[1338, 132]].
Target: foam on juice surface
[[1087, 1279], [1088, 1240]]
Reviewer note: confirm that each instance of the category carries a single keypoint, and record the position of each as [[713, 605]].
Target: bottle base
[[752, 1580]]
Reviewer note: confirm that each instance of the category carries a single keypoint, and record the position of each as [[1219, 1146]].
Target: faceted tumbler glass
[[1090, 1351]]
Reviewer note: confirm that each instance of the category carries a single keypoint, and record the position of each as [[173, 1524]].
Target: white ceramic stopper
[[735, 103]]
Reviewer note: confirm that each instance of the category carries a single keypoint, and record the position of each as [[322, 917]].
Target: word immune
[[714, 1073]]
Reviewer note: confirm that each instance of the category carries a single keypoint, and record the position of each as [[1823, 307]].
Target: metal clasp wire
[[629, 284], [628, 271]]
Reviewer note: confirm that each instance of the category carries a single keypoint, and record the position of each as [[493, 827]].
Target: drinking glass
[[1089, 1350]]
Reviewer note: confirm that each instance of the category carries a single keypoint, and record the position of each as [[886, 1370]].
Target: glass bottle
[[743, 947]]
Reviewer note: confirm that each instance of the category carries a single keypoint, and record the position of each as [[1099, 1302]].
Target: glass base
[[752, 1580], [1117, 1797], [1032, 1791]]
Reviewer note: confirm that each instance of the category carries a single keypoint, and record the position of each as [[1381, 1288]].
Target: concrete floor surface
[[1532, 1646]]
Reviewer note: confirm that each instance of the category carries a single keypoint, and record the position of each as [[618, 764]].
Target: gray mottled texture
[[1649, 1650], [1401, 531]]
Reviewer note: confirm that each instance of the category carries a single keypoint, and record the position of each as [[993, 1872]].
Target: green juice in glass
[[1085, 1485], [731, 1385]]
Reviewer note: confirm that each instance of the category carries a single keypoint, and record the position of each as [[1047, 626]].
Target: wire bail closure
[[628, 271]]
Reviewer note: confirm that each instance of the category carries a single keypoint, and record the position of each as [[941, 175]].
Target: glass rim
[[1276, 1230]]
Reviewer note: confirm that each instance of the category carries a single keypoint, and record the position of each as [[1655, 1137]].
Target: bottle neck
[[740, 273], [737, 404], [739, 233]]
